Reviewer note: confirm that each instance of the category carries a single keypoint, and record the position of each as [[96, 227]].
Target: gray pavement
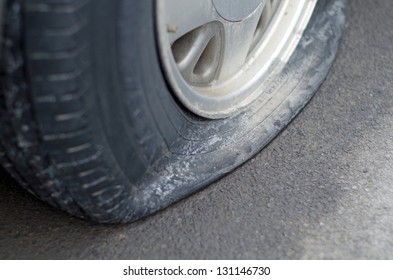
[[323, 189]]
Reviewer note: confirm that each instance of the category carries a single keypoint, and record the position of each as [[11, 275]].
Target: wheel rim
[[217, 55]]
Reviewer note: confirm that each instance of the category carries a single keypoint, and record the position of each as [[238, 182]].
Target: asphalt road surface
[[322, 189]]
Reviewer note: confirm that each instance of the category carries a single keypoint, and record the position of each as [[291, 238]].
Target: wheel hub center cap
[[236, 10]]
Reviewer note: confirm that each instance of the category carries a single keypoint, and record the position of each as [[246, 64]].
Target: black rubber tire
[[89, 125]]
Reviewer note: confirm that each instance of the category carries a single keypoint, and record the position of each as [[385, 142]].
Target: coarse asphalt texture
[[323, 189]]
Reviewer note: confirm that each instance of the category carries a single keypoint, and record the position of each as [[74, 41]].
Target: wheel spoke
[[238, 39], [183, 16], [197, 54], [264, 20]]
